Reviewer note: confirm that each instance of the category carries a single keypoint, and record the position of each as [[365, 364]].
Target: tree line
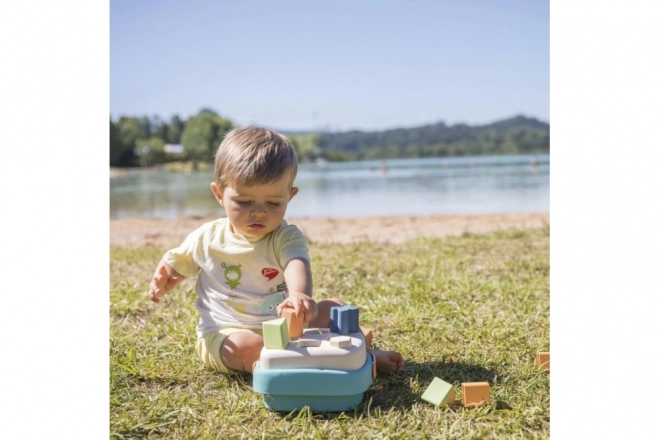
[[144, 141], [517, 135]]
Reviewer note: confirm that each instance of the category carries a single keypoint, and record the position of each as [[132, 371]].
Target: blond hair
[[254, 156]]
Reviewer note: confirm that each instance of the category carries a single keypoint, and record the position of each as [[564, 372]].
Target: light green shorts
[[208, 347]]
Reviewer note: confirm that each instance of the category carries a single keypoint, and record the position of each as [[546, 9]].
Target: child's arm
[[165, 279], [298, 276]]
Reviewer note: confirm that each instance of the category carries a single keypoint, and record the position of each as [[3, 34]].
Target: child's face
[[257, 210]]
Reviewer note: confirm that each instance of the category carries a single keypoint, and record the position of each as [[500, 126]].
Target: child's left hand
[[302, 305]]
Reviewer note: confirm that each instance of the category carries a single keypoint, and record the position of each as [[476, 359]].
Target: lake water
[[467, 185]]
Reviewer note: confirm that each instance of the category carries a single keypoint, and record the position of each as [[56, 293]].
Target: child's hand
[[165, 279], [302, 305]]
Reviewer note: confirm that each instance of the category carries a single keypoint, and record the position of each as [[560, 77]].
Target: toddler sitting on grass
[[251, 264]]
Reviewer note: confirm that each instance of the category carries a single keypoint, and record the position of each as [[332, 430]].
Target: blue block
[[344, 319], [319, 389], [334, 319]]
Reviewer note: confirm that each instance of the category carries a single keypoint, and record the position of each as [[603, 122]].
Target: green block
[[439, 392], [276, 333]]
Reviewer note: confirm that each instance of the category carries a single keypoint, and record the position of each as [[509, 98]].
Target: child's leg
[[323, 317], [230, 349], [241, 350], [390, 361]]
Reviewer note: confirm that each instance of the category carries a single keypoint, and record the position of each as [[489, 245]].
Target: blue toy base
[[315, 403], [318, 389]]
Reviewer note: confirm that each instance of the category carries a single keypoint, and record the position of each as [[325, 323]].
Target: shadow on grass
[[393, 391], [452, 372], [157, 382]]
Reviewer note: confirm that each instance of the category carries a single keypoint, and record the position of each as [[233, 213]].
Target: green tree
[[174, 130], [159, 128], [120, 154], [151, 151], [306, 146], [129, 131], [123, 135], [145, 127], [202, 134]]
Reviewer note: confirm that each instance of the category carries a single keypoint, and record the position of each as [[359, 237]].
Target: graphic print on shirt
[[280, 288], [269, 305], [270, 272], [264, 306], [232, 275]]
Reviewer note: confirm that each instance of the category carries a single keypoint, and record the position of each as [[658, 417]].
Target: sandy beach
[[138, 232]]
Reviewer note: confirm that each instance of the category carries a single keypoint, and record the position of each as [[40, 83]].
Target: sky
[[331, 65]]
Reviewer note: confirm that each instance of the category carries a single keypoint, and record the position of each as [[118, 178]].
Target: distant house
[[173, 148]]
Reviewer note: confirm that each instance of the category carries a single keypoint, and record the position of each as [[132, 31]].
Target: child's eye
[[274, 203], [243, 202]]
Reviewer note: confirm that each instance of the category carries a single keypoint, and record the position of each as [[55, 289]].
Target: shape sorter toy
[[326, 369]]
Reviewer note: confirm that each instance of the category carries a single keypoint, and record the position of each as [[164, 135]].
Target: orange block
[[543, 360], [475, 393], [294, 325], [368, 335]]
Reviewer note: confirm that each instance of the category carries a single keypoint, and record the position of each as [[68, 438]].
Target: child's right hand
[[165, 279], [303, 305]]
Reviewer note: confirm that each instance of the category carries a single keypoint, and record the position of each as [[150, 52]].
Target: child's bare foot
[[389, 361]]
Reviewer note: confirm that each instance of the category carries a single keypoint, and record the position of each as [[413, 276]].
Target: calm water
[[468, 185]]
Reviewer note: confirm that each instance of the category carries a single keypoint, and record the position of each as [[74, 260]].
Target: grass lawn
[[474, 308]]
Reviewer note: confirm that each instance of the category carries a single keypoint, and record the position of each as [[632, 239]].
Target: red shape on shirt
[[269, 272]]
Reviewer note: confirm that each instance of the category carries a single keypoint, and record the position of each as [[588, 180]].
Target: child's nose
[[258, 211]]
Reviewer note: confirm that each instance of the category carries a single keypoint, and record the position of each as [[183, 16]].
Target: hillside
[[517, 135]]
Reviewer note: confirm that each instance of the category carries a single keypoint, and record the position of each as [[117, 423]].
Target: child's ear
[[215, 189], [293, 192]]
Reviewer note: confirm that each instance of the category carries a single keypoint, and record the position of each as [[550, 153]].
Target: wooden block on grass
[[475, 393], [440, 392], [294, 324], [276, 333], [543, 360]]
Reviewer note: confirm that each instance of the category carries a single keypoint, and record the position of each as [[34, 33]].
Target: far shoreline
[[140, 232]]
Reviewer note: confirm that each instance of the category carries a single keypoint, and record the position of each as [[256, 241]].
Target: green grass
[[464, 309]]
